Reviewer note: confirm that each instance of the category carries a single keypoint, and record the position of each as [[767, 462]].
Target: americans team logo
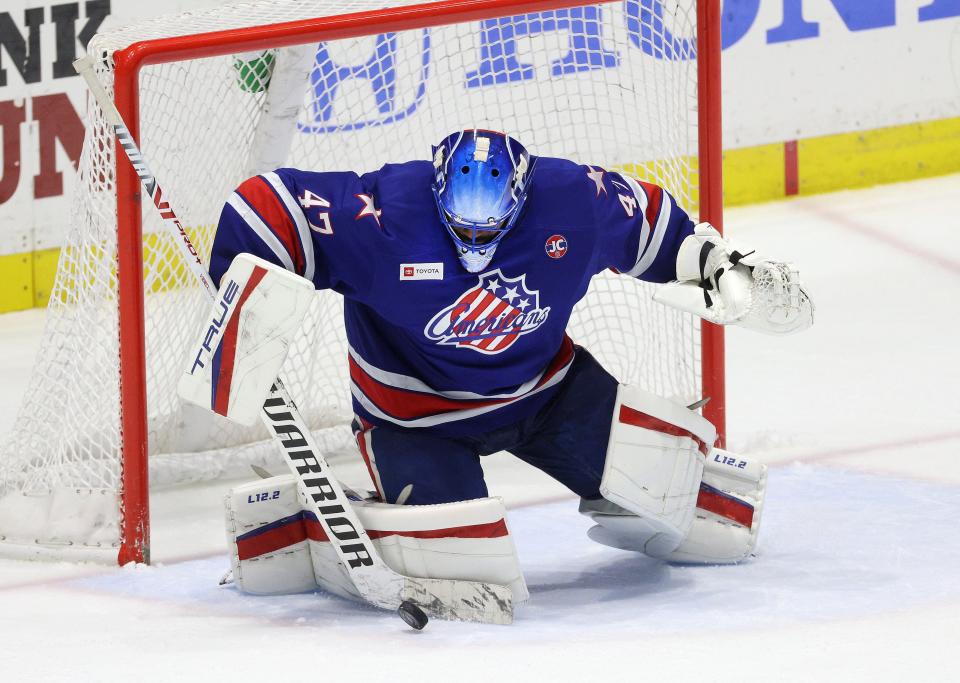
[[490, 316], [556, 246]]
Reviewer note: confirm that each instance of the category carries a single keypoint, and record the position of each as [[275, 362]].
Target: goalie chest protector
[[431, 345]]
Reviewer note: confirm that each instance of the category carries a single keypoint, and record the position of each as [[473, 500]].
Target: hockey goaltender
[[458, 276]]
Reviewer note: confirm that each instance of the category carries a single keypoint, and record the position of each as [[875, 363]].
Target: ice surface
[[857, 576]]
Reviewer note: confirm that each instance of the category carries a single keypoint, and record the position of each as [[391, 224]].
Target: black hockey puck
[[412, 614]]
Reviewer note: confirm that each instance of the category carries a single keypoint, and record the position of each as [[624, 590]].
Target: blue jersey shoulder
[[359, 221], [636, 227]]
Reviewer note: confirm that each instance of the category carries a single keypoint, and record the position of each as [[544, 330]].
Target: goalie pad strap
[[736, 256]]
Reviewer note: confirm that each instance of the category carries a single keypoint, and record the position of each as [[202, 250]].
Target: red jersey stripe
[[654, 199], [409, 405], [262, 198], [560, 361], [404, 404]]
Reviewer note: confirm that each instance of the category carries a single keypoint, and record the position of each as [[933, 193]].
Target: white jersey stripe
[[408, 383], [642, 202], [455, 415], [293, 207], [251, 218], [666, 206]]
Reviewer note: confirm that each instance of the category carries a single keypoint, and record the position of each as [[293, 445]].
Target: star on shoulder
[[596, 175], [368, 208]]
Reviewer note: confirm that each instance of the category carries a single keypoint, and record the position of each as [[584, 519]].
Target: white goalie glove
[[729, 286]]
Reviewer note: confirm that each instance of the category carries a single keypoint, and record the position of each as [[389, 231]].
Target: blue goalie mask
[[480, 184]]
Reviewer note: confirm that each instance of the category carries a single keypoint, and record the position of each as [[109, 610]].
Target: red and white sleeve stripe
[[268, 208], [656, 207]]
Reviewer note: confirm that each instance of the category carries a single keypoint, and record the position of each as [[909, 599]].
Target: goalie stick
[[376, 582]]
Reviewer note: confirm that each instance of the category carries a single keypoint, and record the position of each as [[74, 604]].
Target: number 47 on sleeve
[[310, 200]]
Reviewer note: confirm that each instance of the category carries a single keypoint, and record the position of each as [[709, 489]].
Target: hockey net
[[613, 85]]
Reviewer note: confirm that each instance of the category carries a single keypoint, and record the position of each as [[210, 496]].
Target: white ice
[[857, 576]]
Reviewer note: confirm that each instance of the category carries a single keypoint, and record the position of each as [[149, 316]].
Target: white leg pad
[[654, 465], [726, 522], [277, 547], [729, 508], [263, 562]]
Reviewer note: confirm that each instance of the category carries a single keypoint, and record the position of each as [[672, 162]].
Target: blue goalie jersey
[[432, 346]]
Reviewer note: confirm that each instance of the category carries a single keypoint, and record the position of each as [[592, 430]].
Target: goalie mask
[[480, 185]]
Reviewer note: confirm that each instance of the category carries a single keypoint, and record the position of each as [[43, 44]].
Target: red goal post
[[128, 64]]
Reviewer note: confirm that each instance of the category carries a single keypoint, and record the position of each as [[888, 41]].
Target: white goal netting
[[612, 85]]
